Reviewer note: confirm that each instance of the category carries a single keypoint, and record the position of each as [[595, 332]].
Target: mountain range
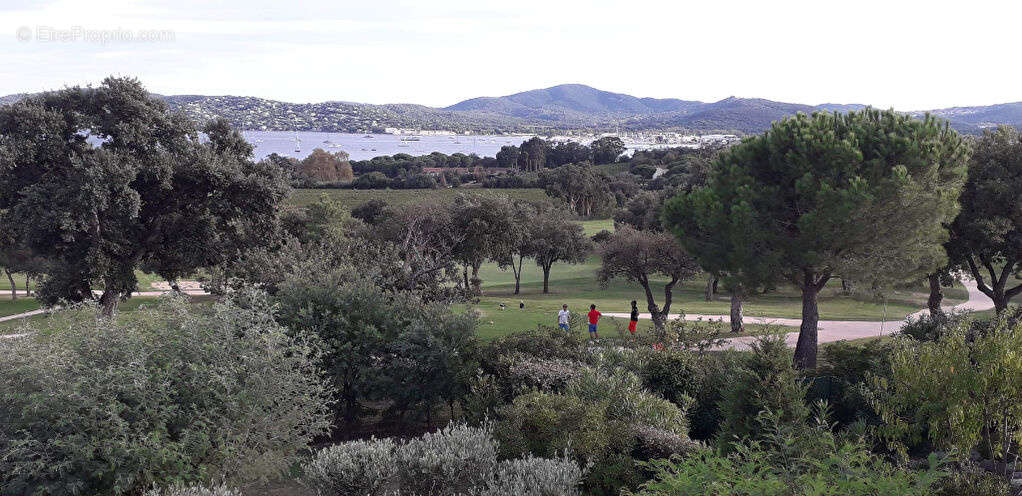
[[559, 108]]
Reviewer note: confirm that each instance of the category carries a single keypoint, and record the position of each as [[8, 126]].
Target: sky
[[909, 55]]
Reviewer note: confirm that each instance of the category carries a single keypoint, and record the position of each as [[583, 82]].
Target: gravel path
[[830, 330], [833, 330]]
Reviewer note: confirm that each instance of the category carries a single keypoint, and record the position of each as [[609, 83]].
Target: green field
[[352, 198], [23, 304], [576, 286]]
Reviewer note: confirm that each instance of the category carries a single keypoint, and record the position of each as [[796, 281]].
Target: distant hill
[[571, 101], [559, 108]]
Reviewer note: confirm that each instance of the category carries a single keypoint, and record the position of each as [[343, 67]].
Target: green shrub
[[960, 393], [769, 383], [457, 460], [545, 424], [160, 396], [931, 327], [713, 373], [454, 460], [533, 476], [544, 343], [194, 491], [380, 345], [791, 459], [354, 467], [973, 481], [841, 375], [604, 418]]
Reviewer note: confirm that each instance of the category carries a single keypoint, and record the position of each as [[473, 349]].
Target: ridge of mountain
[[558, 108]]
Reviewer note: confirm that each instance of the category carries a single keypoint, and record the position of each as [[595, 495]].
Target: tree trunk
[[805, 350], [476, 290], [546, 279], [716, 281], [936, 296], [737, 323], [464, 273], [108, 302], [14, 287], [709, 288], [517, 270]]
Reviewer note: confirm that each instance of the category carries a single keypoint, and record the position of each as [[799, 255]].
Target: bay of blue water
[[366, 146]]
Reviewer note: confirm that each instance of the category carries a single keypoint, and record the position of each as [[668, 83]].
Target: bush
[[841, 375], [545, 424], [769, 383], [603, 418], [533, 476], [194, 491], [160, 396], [931, 327], [544, 342], [380, 345], [792, 458], [455, 460], [365, 467], [962, 392], [973, 481]]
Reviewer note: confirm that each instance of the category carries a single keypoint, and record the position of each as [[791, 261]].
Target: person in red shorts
[[594, 319], [633, 322]]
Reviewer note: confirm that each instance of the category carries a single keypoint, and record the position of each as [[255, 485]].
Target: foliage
[[363, 466], [842, 372], [607, 149], [370, 211], [929, 327], [325, 167], [973, 481], [456, 460], [553, 238], [152, 195], [864, 193], [987, 234], [220, 490], [161, 396], [792, 460], [603, 418], [379, 344], [639, 256], [581, 186], [768, 383], [642, 212], [961, 392]]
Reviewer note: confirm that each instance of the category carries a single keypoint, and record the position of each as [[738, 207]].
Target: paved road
[[834, 330]]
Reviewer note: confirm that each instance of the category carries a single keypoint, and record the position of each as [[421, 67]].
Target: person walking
[[594, 319], [633, 321], [563, 317]]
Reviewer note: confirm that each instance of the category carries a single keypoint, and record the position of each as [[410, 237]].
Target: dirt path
[[834, 330]]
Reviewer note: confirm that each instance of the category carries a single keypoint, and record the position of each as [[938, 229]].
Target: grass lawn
[[576, 286], [38, 322], [22, 305], [352, 198]]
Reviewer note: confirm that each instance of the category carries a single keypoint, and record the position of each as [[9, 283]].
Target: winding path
[[829, 330], [834, 330]]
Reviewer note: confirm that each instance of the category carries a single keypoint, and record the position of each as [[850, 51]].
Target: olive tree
[[640, 255], [864, 193]]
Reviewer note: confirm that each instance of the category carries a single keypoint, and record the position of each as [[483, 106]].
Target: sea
[[366, 146]]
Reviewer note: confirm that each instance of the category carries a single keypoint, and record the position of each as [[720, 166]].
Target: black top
[[635, 313]]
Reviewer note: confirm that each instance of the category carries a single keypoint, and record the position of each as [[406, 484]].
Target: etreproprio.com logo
[[79, 34]]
